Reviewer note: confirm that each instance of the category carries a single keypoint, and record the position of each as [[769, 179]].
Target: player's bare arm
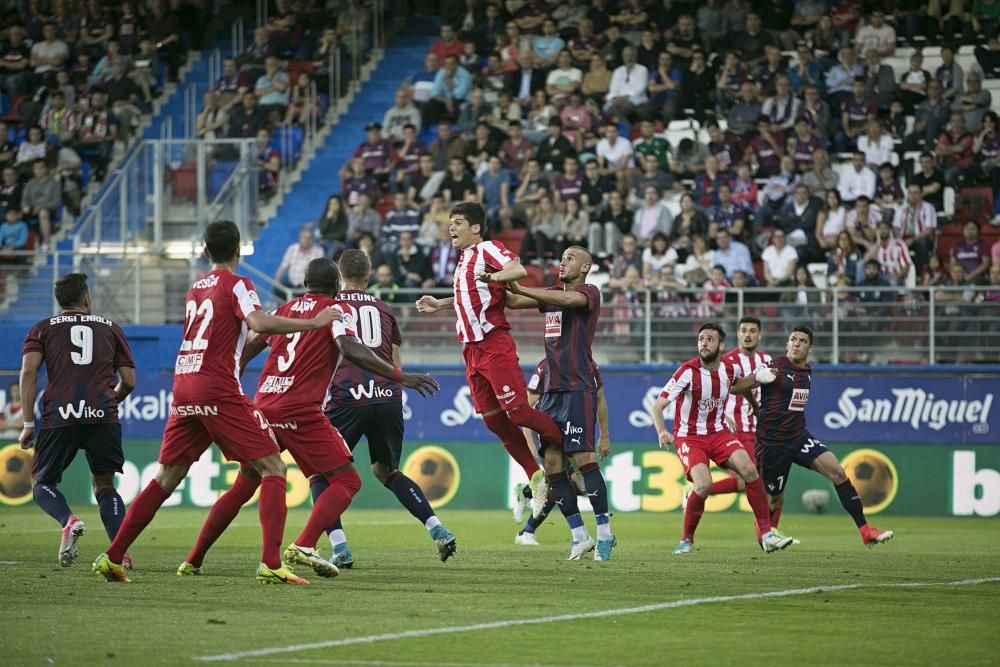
[[557, 298], [604, 439], [397, 356], [518, 302], [428, 304], [511, 271], [665, 437], [359, 354], [763, 375], [126, 383], [30, 363], [255, 345], [262, 322]]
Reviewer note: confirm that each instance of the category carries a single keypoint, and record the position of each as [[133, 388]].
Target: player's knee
[[383, 474], [702, 488], [776, 502], [168, 477], [837, 475], [270, 466], [749, 474], [349, 479]]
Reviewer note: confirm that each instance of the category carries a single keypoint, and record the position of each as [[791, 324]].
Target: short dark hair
[[714, 326], [222, 240], [750, 319], [71, 288], [803, 329], [355, 266], [322, 274], [473, 213]]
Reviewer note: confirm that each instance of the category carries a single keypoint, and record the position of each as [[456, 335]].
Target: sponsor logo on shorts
[[369, 392], [508, 394], [276, 384], [193, 410], [571, 429], [80, 411], [188, 363]]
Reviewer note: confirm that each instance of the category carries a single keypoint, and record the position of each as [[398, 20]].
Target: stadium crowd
[[75, 78], [709, 145]]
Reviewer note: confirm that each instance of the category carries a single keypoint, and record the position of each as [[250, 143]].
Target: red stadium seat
[[535, 278], [512, 239]]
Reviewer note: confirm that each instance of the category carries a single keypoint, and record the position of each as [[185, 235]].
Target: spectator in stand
[[410, 266], [517, 150], [614, 221], [575, 226], [96, 29], [448, 45], [766, 74], [930, 180], [544, 226], [473, 111], [858, 180], [973, 254], [745, 113], [292, 270], [96, 135], [401, 218], [401, 114], [688, 159], [876, 145], [892, 255], [627, 91], [15, 63], [876, 35], [779, 261], [651, 175], [930, 118], [568, 184], [862, 222], [10, 190], [594, 189], [913, 83], [554, 148], [104, 69], [548, 45], [628, 257], [729, 80], [268, 165], [614, 157], [856, 111], [13, 232], [48, 55], [701, 258], [782, 108], [665, 86], [409, 152], [751, 42], [656, 255], [950, 74], [448, 145], [458, 184], [272, 90], [124, 98], [493, 192], [422, 82], [451, 88], [652, 217], [800, 218], [744, 189], [988, 54], [916, 224], [213, 119], [525, 80], [423, 184], [41, 200], [732, 255], [564, 79], [840, 79], [974, 102], [443, 258], [767, 149], [817, 115], [333, 227], [165, 31], [246, 119], [688, 223], [725, 146], [32, 149], [727, 215], [706, 186], [362, 220], [357, 182], [303, 103], [880, 80], [698, 86], [145, 70], [230, 85], [845, 260], [777, 191], [578, 120], [987, 151], [954, 152], [888, 193], [505, 112], [378, 155], [802, 146]]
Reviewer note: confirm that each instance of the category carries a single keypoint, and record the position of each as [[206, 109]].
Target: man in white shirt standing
[[627, 90], [296, 260], [858, 180], [614, 157], [915, 223], [780, 260]]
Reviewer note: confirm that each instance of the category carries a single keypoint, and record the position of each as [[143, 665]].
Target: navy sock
[[532, 524], [565, 498], [410, 496], [318, 485], [851, 501], [112, 510], [52, 502], [597, 491]]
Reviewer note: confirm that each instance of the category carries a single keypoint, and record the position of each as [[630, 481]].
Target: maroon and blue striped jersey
[[376, 327], [537, 376], [569, 333], [782, 417]]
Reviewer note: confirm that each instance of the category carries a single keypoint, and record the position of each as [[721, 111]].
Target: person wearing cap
[[377, 154]]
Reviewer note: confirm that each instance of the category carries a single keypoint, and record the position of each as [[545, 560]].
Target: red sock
[[221, 515], [329, 506], [775, 515], [540, 423], [727, 485], [138, 516], [757, 498], [272, 513], [692, 515], [513, 441]]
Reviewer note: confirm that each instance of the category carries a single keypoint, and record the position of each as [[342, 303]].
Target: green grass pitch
[[72, 617]]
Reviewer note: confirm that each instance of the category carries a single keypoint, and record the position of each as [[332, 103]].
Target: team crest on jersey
[[254, 299], [799, 399], [553, 324], [276, 384]]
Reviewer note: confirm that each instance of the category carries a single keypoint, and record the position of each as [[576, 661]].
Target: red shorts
[[695, 449], [233, 424], [493, 372], [314, 443], [747, 443]]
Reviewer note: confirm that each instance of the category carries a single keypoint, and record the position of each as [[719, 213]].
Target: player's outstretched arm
[[604, 439], [763, 375], [518, 302], [30, 363], [126, 383], [359, 354], [665, 437], [512, 270], [428, 304], [262, 322], [553, 297]]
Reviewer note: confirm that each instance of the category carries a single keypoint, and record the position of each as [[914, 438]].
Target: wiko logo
[[572, 430], [370, 392], [80, 411]]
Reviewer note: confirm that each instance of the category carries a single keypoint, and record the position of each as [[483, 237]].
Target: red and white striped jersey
[[478, 305], [699, 397], [737, 407], [893, 256]]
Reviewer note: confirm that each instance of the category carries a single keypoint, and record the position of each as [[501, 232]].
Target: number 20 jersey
[[377, 328]]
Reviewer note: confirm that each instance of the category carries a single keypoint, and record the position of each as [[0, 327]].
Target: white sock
[[580, 534], [603, 528], [432, 523], [337, 537]]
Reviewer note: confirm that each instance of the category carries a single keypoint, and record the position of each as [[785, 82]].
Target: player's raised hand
[[484, 277], [27, 437], [422, 382], [428, 304], [765, 375], [666, 440]]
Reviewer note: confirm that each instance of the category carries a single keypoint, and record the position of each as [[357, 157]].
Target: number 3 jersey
[[81, 353], [782, 415], [215, 332], [299, 370], [378, 330]]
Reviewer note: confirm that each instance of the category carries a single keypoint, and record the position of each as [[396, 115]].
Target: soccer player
[[291, 395], [783, 438], [699, 389], [491, 364], [526, 536], [365, 403], [82, 354], [209, 405], [569, 395]]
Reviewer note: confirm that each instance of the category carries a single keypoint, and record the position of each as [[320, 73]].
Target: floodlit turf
[[72, 617]]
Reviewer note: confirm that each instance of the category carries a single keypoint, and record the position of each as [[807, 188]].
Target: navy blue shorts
[[576, 414], [381, 425], [774, 460], [57, 447]]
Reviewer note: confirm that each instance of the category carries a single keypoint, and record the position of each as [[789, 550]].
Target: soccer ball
[[435, 471], [816, 500], [15, 475], [874, 477]]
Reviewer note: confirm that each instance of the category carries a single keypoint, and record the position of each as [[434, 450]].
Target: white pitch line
[[495, 625], [394, 663]]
